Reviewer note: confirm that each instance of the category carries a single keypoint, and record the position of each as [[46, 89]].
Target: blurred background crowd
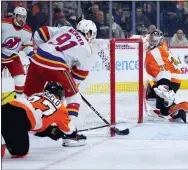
[[116, 19]]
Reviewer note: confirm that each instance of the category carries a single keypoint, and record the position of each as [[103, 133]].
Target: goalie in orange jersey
[[162, 67], [36, 114]]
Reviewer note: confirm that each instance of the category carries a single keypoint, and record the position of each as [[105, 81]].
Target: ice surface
[[151, 145]]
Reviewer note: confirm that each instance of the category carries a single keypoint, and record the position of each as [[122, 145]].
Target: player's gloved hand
[[52, 132], [168, 96]]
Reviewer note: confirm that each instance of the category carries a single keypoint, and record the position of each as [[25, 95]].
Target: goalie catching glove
[[168, 96], [69, 140]]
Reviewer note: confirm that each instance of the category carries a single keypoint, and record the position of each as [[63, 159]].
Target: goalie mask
[[88, 28], [20, 15], [55, 89], [156, 38]]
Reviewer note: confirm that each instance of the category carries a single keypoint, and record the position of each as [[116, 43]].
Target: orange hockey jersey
[[44, 109], [161, 64]]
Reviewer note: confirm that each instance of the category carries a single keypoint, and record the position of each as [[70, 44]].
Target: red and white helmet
[[85, 26], [19, 11]]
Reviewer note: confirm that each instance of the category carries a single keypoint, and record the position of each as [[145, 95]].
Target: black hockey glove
[[74, 135], [52, 132]]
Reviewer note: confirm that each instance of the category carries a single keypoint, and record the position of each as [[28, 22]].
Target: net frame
[[113, 79]]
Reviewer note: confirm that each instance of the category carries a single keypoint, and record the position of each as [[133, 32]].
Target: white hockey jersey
[[63, 48], [13, 38]]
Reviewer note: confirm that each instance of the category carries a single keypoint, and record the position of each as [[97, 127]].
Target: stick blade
[[121, 132]]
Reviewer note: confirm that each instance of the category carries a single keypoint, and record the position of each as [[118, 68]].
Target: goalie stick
[[116, 130]]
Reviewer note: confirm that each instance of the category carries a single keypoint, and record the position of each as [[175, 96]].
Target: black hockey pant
[[15, 127]]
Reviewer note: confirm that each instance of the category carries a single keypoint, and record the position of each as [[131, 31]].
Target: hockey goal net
[[114, 86]]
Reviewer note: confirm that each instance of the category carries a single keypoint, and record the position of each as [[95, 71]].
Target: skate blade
[[73, 143]]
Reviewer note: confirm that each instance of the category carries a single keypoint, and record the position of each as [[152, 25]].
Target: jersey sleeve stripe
[[46, 32], [49, 58], [73, 109], [43, 33], [43, 37], [79, 74], [72, 113]]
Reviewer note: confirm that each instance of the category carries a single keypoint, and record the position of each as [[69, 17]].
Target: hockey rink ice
[[150, 145]]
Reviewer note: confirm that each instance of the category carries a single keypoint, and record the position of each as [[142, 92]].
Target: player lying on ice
[[162, 67], [36, 114], [64, 55]]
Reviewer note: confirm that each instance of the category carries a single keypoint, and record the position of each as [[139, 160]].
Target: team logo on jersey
[[186, 59], [11, 43]]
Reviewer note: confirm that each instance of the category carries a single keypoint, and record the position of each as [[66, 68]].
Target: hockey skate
[[74, 140]]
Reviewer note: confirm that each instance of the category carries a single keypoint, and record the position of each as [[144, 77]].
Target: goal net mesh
[[96, 88]]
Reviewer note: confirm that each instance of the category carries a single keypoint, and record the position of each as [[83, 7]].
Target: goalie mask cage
[[114, 86]]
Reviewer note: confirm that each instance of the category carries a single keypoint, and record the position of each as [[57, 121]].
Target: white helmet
[[156, 38], [85, 26], [19, 11]]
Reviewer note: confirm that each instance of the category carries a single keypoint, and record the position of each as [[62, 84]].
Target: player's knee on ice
[[15, 127]]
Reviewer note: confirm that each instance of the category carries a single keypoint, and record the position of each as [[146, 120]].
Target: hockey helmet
[[85, 26], [55, 88], [23, 13], [156, 38]]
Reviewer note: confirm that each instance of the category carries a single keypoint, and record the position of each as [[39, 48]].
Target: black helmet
[[55, 88]]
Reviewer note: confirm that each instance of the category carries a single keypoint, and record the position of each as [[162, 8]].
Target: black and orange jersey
[[44, 109], [160, 64]]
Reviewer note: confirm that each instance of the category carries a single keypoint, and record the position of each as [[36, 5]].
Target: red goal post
[[113, 75], [115, 85]]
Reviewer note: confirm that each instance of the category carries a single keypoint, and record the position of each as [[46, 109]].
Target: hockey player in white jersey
[[65, 56], [15, 35]]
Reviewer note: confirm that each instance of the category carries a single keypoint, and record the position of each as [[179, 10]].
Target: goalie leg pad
[[168, 96]]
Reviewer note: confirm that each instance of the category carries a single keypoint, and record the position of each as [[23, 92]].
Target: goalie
[[161, 66]]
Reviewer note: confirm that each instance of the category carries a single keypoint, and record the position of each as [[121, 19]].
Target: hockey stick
[[98, 127], [7, 96], [116, 130], [88, 129]]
